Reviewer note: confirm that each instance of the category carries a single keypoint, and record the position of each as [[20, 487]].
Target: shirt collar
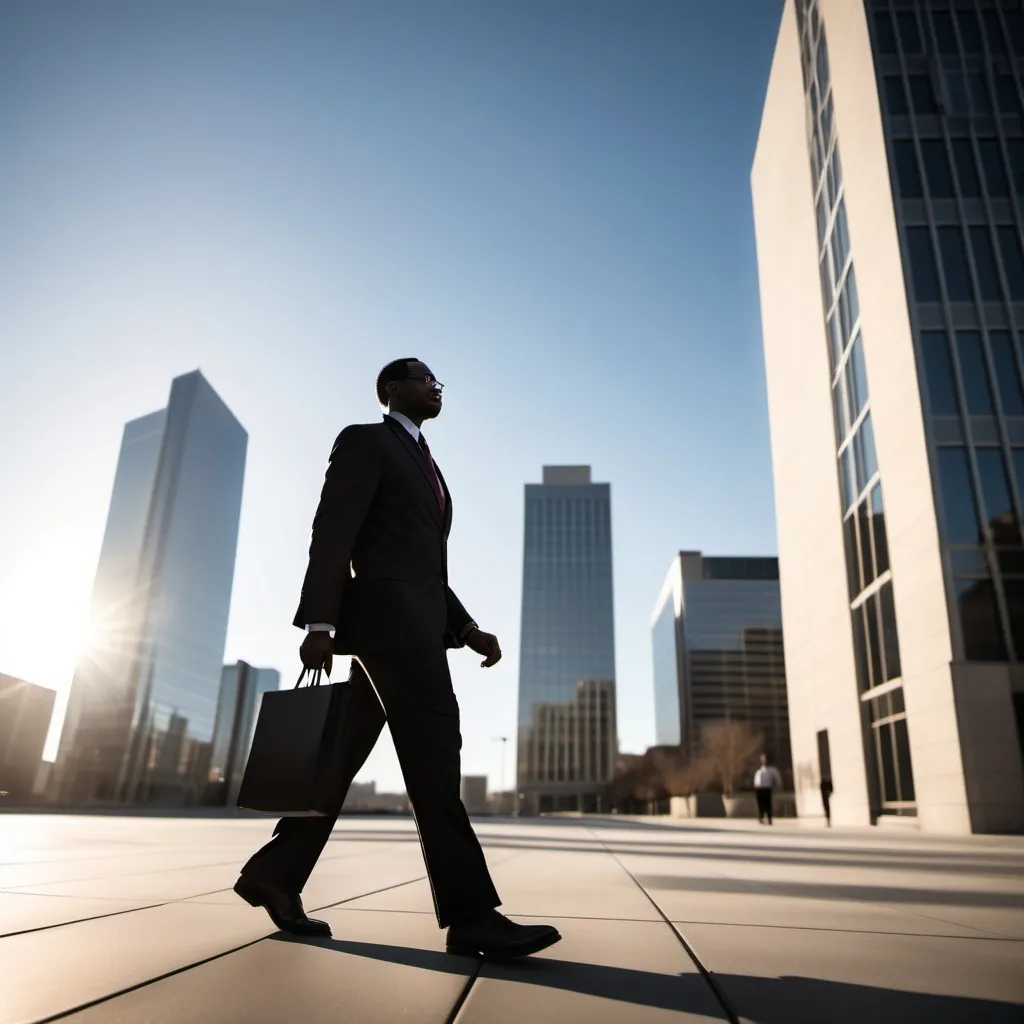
[[414, 431]]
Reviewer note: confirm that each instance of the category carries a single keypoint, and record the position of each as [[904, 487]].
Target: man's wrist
[[467, 629]]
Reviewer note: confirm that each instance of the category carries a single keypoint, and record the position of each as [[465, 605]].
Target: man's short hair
[[397, 369]]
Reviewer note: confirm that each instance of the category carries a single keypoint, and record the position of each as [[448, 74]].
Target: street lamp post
[[502, 740]]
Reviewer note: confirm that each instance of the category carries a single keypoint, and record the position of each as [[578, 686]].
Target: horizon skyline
[[548, 204]]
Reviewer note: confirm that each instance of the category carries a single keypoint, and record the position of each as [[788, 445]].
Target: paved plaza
[[131, 920]]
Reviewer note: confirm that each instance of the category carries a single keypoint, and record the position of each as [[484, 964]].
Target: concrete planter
[[699, 805], [740, 805]]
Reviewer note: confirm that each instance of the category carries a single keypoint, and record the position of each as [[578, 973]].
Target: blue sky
[[548, 202]]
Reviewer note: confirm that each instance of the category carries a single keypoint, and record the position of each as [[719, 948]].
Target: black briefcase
[[296, 762]]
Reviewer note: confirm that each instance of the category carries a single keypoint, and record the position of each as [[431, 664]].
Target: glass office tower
[[143, 700], [717, 649], [241, 690], [567, 739], [888, 187], [25, 712]]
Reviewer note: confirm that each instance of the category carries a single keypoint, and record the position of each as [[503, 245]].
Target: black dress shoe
[[284, 908], [494, 935]]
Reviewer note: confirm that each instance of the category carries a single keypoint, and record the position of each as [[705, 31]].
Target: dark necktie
[[438, 490]]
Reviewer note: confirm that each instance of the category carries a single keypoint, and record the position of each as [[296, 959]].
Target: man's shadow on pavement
[[791, 999]]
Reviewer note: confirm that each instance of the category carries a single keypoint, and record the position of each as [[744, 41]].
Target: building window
[[956, 93], [996, 42], [878, 528], [908, 178], [975, 373], [859, 379], [957, 493], [922, 96], [985, 263], [970, 33], [1013, 261], [939, 373], [885, 34], [936, 169], [979, 620], [922, 265], [954, 265], [852, 298], [1015, 25], [945, 36], [995, 492], [852, 564], [1007, 375], [860, 648], [864, 533], [890, 641], [910, 34], [981, 102], [1007, 100], [895, 97], [1015, 150], [966, 169], [992, 168], [866, 450]]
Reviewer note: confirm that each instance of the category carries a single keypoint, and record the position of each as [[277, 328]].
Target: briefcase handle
[[315, 676]]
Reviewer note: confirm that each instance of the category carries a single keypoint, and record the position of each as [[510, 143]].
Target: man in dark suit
[[378, 578]]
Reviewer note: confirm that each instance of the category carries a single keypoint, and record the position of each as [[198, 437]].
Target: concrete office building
[[888, 184], [25, 711], [716, 638], [143, 700], [241, 689], [567, 738], [473, 791]]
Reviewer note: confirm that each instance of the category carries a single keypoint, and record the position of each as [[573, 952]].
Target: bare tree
[[679, 775], [729, 747]]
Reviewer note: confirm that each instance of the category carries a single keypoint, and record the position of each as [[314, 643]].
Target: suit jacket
[[378, 558]]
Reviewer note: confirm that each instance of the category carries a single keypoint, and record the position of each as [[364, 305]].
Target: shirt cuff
[[319, 627], [467, 629]]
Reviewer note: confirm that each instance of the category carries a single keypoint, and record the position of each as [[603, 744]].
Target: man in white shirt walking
[[765, 780]]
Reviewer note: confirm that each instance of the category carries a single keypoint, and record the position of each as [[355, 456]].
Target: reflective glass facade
[[869, 576], [143, 702], [717, 638], [567, 739], [241, 690], [25, 711], [950, 83]]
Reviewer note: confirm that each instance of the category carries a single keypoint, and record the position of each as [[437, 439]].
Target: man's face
[[417, 396]]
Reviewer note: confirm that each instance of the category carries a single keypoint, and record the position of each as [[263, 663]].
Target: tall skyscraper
[[143, 700], [241, 689], [567, 739], [716, 637], [888, 185], [25, 711]]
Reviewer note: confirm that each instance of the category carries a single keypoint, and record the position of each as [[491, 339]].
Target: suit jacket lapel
[[447, 500], [416, 454]]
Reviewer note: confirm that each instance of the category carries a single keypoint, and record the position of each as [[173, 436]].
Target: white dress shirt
[[766, 778]]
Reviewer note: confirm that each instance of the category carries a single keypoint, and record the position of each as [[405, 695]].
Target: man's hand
[[317, 650], [485, 644]]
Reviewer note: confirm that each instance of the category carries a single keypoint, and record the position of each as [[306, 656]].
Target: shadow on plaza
[[918, 861], [785, 1000], [833, 891]]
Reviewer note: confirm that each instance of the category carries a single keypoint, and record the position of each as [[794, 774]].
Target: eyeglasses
[[430, 381]]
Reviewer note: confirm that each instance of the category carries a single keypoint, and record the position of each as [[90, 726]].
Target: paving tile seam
[[149, 981], [987, 937], [776, 889], [459, 1003], [708, 976], [77, 920], [15, 889], [218, 956]]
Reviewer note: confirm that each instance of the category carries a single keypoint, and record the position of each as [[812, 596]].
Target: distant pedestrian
[[766, 779], [826, 796]]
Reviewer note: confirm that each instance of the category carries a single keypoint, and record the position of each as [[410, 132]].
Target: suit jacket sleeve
[[353, 474], [458, 619]]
